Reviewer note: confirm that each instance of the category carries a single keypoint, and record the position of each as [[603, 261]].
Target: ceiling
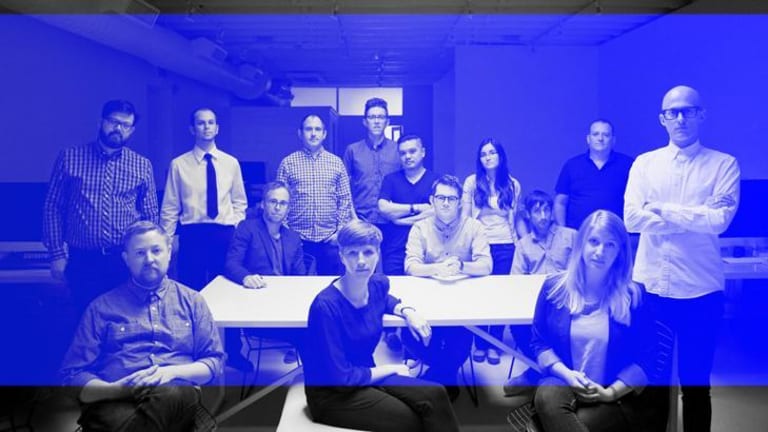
[[395, 42]]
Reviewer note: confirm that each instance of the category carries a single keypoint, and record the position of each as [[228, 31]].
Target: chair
[[296, 416]]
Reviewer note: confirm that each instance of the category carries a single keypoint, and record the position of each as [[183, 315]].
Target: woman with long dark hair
[[491, 196]]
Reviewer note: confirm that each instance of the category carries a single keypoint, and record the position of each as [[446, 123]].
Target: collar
[[200, 153], [550, 234], [142, 295], [309, 153], [689, 152], [608, 159], [374, 147], [448, 229], [99, 150]]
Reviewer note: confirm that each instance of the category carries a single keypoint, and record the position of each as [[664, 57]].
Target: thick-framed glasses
[[687, 112], [450, 199], [115, 123], [276, 203], [376, 117]]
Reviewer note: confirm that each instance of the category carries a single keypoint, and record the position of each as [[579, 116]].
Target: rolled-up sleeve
[[207, 344]]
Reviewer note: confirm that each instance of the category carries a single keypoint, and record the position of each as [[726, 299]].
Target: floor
[[739, 395]]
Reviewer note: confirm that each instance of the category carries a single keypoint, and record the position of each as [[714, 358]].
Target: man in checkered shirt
[[96, 191], [321, 201]]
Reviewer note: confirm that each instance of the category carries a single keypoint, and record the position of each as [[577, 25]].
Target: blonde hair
[[622, 293]]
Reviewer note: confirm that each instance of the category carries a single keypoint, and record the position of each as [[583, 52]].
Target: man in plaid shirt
[[96, 191], [321, 201]]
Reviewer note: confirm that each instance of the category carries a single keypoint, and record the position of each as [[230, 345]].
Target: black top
[[589, 188], [396, 188], [341, 338]]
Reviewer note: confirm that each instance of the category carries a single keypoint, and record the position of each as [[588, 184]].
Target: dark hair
[[277, 184], [303, 119], [142, 227], [197, 110], [359, 233], [601, 120], [447, 180], [504, 186], [119, 106], [537, 198], [410, 137], [375, 102]]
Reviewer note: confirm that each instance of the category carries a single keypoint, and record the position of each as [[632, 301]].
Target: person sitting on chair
[[263, 246], [141, 347], [594, 338], [344, 387]]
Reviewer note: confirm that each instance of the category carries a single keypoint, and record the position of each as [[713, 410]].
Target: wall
[[537, 102], [723, 56]]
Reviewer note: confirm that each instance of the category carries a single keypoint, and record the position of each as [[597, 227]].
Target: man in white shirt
[[205, 193], [679, 198]]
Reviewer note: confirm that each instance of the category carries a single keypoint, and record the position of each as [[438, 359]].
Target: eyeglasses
[[276, 203], [687, 112], [453, 199], [376, 117], [115, 123]]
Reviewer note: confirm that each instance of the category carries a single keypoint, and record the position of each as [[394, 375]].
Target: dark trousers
[[448, 349], [202, 252], [696, 324], [396, 404], [326, 257], [91, 273], [161, 409], [502, 264], [559, 410]]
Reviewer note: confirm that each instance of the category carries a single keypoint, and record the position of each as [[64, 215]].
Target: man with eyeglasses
[[592, 180], [264, 246], [95, 192], [445, 246], [322, 201], [680, 197], [369, 160]]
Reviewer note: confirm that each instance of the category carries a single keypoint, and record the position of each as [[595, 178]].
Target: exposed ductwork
[[158, 46]]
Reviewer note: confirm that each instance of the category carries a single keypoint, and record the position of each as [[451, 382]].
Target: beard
[[113, 139]]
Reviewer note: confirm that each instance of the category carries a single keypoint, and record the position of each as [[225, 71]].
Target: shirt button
[[155, 326], [153, 308]]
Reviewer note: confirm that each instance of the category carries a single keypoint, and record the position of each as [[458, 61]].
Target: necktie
[[212, 194]]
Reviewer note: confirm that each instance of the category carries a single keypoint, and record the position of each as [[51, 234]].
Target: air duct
[[158, 46]]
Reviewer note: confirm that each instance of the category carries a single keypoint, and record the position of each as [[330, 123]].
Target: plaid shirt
[[93, 197], [321, 201]]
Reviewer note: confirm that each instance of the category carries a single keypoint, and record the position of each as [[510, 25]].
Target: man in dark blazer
[[263, 246]]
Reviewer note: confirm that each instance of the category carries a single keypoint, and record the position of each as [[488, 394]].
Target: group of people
[[379, 211]]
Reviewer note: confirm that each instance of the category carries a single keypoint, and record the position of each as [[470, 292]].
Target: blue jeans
[[559, 410], [502, 255]]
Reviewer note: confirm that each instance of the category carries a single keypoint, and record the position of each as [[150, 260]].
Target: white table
[[470, 302]]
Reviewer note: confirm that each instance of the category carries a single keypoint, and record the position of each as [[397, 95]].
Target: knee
[[553, 395], [180, 396]]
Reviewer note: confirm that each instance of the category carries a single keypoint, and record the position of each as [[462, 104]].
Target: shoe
[[290, 357], [239, 362], [521, 384], [478, 355], [393, 342], [493, 357]]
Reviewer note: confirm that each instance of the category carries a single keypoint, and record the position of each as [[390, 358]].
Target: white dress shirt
[[679, 253], [185, 190]]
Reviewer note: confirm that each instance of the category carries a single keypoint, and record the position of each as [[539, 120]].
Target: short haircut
[[303, 119], [277, 184], [410, 137], [604, 121], [197, 110], [447, 180], [537, 198], [119, 106], [141, 227], [375, 102], [359, 233]]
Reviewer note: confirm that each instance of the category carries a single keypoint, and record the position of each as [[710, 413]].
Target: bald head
[[681, 115]]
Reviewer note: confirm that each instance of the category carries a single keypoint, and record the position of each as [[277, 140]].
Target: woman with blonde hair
[[594, 338], [344, 386]]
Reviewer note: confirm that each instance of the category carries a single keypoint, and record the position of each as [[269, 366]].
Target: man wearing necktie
[[680, 197], [205, 194]]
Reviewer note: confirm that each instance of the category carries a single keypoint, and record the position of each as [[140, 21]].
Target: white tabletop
[[286, 299]]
